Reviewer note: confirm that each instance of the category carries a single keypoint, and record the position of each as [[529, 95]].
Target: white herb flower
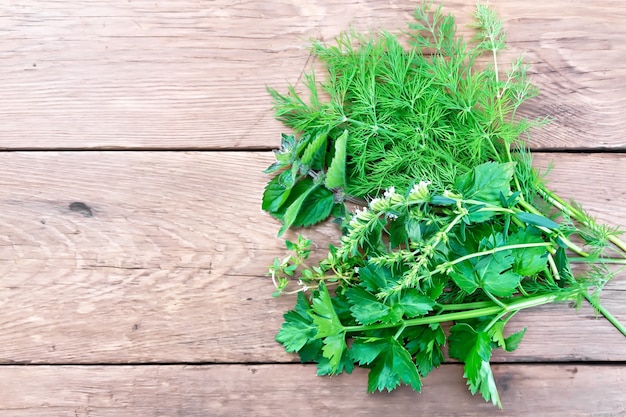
[[362, 214], [378, 204], [419, 192], [390, 192]]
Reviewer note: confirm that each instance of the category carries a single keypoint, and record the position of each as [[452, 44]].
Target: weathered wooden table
[[133, 250]]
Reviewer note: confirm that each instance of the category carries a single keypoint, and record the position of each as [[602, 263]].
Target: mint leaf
[[474, 349], [276, 192], [317, 144], [294, 208], [285, 156], [392, 367], [336, 174], [315, 208]]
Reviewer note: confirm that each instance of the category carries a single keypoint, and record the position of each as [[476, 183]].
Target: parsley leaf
[[391, 364], [495, 276], [413, 303], [474, 349], [365, 307], [298, 328]]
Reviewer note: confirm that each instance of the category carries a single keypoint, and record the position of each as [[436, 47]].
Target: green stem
[[571, 245], [619, 261], [464, 306], [494, 250], [516, 305], [495, 300], [607, 314], [578, 215], [567, 208], [495, 320]]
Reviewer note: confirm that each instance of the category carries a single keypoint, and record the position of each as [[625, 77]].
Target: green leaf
[[494, 275], [464, 277], [413, 303], [329, 327], [513, 341], [336, 174], [366, 350], [393, 366], [536, 220], [298, 328], [496, 332], [397, 232], [325, 367], [439, 200], [313, 148], [285, 155], [425, 344], [528, 261], [276, 192], [333, 350], [375, 278], [294, 209], [315, 208], [325, 317], [487, 182], [365, 307], [474, 349]]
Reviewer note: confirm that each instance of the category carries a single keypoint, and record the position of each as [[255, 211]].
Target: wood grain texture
[[295, 391], [192, 74], [154, 257]]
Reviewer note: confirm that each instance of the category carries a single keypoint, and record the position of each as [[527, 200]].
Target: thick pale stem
[[577, 215], [513, 306], [607, 315]]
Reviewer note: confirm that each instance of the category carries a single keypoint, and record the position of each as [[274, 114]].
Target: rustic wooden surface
[[133, 249]]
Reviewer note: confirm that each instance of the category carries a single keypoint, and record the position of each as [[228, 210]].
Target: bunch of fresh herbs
[[457, 226]]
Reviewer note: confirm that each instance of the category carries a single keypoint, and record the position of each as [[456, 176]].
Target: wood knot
[[81, 208]]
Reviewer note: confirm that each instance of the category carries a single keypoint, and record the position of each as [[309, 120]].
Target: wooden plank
[[192, 74], [294, 390], [118, 257]]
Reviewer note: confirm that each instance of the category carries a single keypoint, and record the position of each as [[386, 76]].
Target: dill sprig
[[423, 111]]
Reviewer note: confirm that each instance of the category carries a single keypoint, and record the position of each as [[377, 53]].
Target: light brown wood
[[192, 74], [169, 263], [295, 391], [134, 283]]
